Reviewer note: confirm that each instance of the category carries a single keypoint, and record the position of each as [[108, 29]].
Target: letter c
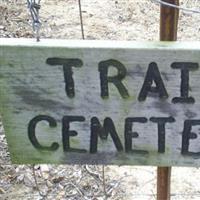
[[31, 132]]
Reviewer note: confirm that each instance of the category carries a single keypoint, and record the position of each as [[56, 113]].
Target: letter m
[[103, 131]]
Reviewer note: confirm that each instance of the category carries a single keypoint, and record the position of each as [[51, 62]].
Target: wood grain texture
[[29, 87], [168, 32], [169, 21]]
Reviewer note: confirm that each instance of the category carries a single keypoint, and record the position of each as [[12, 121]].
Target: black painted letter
[[66, 133], [152, 74], [161, 121], [184, 67], [187, 135], [116, 80], [31, 132], [129, 134], [102, 132], [67, 69]]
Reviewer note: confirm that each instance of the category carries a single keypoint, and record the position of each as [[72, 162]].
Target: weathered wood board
[[101, 102]]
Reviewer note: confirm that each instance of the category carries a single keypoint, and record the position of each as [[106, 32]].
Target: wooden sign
[[101, 102]]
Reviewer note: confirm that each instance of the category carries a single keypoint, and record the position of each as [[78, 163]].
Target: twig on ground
[[94, 174], [78, 190]]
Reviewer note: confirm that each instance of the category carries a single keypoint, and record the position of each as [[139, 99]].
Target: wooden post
[[169, 21], [168, 32]]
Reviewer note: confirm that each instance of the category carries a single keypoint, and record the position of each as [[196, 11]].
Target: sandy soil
[[114, 20]]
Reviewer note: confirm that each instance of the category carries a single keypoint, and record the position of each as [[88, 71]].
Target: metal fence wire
[[183, 8], [34, 6]]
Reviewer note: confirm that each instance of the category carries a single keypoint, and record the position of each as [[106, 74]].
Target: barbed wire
[[176, 6], [34, 8]]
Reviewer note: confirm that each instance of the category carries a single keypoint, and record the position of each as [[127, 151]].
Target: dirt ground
[[113, 20]]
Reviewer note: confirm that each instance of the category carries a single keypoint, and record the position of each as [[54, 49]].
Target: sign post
[[168, 32]]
